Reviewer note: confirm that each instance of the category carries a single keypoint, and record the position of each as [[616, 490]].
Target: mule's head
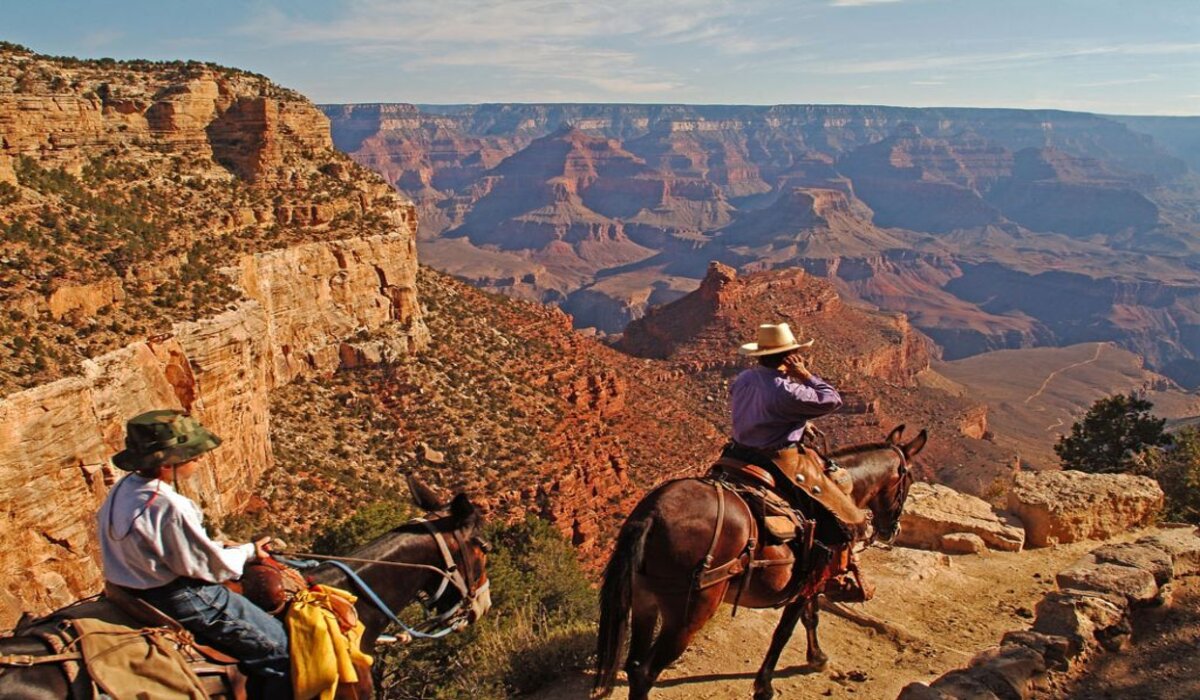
[[464, 550], [887, 501]]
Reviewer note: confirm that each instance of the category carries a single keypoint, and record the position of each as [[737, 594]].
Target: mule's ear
[[462, 509], [422, 495], [915, 445], [893, 437]]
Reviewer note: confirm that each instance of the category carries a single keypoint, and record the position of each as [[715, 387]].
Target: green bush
[[542, 624], [1112, 437], [1176, 467]]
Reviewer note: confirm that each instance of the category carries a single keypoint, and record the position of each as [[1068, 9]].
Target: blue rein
[[368, 592]]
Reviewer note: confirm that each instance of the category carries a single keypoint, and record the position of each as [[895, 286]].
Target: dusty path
[[954, 606], [1055, 373]]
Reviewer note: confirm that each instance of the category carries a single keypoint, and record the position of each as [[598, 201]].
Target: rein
[[454, 619]]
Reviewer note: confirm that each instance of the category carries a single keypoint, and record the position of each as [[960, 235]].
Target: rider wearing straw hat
[[154, 545], [771, 405]]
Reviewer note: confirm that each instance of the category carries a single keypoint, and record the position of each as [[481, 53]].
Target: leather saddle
[[757, 487]]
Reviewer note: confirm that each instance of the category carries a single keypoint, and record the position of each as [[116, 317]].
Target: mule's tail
[[616, 601]]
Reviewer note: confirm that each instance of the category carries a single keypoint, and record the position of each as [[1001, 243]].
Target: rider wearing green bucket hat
[[154, 545]]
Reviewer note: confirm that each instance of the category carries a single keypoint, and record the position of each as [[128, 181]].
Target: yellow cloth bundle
[[324, 653]]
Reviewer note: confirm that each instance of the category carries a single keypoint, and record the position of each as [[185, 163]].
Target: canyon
[[189, 236], [991, 228]]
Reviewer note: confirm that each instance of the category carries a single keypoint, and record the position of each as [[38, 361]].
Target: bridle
[[474, 596], [901, 495]]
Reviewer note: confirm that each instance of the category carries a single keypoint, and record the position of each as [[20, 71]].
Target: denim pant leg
[[232, 624]]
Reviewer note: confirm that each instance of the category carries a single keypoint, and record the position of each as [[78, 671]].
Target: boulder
[[1142, 556], [1137, 585], [920, 691], [1012, 671], [1054, 649], [962, 543], [933, 511], [1068, 506], [969, 684], [1182, 543], [1086, 618]]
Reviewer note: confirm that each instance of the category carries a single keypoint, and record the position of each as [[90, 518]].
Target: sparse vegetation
[[1176, 467], [164, 221]]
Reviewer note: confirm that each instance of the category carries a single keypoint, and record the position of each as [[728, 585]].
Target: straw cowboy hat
[[163, 438], [773, 338]]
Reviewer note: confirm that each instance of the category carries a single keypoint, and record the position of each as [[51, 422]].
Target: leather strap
[[31, 660]]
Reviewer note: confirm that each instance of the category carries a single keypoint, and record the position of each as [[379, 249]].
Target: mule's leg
[[783, 632], [812, 608], [644, 620], [678, 628]]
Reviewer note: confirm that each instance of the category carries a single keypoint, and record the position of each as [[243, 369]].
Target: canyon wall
[[304, 304], [175, 235]]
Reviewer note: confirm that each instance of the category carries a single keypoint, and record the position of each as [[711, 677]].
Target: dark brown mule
[[397, 586], [650, 578]]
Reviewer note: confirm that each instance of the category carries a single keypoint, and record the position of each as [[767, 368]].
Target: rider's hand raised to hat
[[794, 366]]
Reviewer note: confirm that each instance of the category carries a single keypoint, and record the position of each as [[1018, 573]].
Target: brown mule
[[687, 527]]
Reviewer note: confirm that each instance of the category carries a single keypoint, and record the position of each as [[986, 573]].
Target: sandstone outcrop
[[934, 512], [1067, 506]]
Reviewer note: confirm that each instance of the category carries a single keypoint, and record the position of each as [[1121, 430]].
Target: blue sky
[[1127, 57]]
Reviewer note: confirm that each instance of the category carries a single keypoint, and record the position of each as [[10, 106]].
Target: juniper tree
[[1112, 436]]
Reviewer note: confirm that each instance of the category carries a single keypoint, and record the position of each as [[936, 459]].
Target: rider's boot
[[852, 585]]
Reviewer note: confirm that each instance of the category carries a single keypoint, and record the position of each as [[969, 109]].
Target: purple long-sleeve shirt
[[770, 409]]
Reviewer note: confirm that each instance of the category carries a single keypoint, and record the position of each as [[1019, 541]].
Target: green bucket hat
[[163, 438]]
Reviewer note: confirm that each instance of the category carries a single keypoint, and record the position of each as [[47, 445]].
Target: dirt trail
[[1052, 375], [955, 607]]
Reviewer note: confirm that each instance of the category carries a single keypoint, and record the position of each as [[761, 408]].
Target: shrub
[[1176, 467], [542, 624], [1112, 437]]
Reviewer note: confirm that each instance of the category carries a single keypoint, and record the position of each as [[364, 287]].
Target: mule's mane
[[857, 449]]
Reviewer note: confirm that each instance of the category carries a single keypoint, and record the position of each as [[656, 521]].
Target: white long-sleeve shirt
[[150, 535]]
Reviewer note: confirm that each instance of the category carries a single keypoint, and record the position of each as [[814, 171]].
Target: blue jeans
[[230, 623]]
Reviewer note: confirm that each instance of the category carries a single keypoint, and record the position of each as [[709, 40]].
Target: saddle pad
[[132, 664]]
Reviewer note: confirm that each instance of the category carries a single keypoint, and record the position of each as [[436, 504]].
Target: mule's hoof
[[764, 694], [819, 664]]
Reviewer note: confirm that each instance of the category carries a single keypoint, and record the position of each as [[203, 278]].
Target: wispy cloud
[[100, 38], [533, 39], [1008, 59], [860, 3], [1151, 78]]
